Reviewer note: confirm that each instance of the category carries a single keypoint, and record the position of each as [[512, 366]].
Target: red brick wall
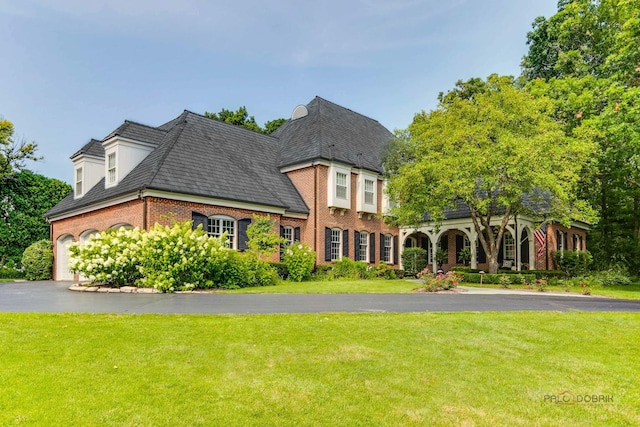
[[101, 219], [308, 186]]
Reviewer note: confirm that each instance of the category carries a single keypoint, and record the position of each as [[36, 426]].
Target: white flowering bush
[[111, 257], [179, 258], [299, 259], [168, 259]]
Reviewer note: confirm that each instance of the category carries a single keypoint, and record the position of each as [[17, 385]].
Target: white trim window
[[336, 244], [509, 246], [363, 246], [369, 194], [111, 168], [388, 248], [287, 233], [78, 182], [218, 225], [341, 185]]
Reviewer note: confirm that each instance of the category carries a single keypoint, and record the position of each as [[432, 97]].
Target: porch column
[[474, 249]]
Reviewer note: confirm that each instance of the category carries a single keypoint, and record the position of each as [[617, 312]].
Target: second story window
[[368, 192], [341, 185], [111, 168]]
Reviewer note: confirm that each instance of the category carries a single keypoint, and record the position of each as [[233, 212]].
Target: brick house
[[318, 176]]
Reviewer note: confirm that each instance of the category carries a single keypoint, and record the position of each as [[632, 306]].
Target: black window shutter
[[356, 245], [281, 231], [327, 244], [198, 219], [242, 234], [395, 250], [382, 247], [372, 248], [282, 245], [345, 243], [296, 234]]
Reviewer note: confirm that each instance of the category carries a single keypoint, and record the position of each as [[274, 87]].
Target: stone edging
[[125, 289]]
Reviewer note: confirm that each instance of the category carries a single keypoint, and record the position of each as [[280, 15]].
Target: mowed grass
[[342, 286], [327, 369], [631, 291]]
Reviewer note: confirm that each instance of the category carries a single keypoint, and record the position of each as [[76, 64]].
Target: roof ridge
[[348, 109], [133, 122], [168, 149], [229, 124]]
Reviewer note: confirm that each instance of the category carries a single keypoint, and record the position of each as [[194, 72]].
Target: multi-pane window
[[336, 244], [368, 191], [509, 246], [218, 225], [341, 185], [388, 246], [111, 168], [364, 244], [79, 182], [287, 233]]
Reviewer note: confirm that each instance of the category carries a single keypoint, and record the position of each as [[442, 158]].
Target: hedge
[[494, 279]]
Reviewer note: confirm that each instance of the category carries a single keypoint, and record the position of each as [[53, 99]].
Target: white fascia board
[[96, 206], [211, 201], [127, 142], [295, 215]]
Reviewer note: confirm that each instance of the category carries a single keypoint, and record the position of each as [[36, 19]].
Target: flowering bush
[[299, 260], [168, 259], [111, 257], [441, 282], [540, 284], [179, 258]]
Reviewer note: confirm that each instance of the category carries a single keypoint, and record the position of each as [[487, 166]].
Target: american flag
[[541, 238]]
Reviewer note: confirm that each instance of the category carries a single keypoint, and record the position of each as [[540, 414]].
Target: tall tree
[[242, 118], [492, 147], [586, 58], [24, 198], [13, 155]]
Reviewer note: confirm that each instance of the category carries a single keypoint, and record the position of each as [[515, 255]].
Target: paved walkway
[[55, 297]]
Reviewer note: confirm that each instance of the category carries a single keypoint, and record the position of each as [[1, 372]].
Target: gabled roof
[[333, 133], [92, 148], [200, 156], [138, 132]]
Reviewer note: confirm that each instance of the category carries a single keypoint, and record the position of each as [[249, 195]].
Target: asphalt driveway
[[54, 297]]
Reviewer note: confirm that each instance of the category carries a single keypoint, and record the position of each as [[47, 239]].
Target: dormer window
[[78, 182], [111, 168], [367, 200]]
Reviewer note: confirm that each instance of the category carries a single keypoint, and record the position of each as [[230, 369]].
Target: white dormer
[[87, 172], [367, 190], [121, 156], [339, 187]]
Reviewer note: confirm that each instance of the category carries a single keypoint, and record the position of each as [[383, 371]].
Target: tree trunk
[[493, 262]]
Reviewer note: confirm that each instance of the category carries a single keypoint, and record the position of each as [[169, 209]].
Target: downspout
[[144, 209], [315, 210]]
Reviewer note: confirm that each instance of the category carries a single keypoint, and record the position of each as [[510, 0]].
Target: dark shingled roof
[[334, 133], [92, 148], [200, 156]]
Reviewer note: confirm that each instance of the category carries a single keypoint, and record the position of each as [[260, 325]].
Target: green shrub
[[384, 271], [10, 273], [414, 260], [281, 269], [299, 259], [612, 278], [572, 263], [349, 269], [37, 261], [498, 279]]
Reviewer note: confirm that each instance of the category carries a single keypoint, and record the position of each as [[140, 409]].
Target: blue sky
[[76, 69]]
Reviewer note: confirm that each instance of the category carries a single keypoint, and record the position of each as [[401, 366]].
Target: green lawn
[[333, 287], [626, 292], [436, 369]]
